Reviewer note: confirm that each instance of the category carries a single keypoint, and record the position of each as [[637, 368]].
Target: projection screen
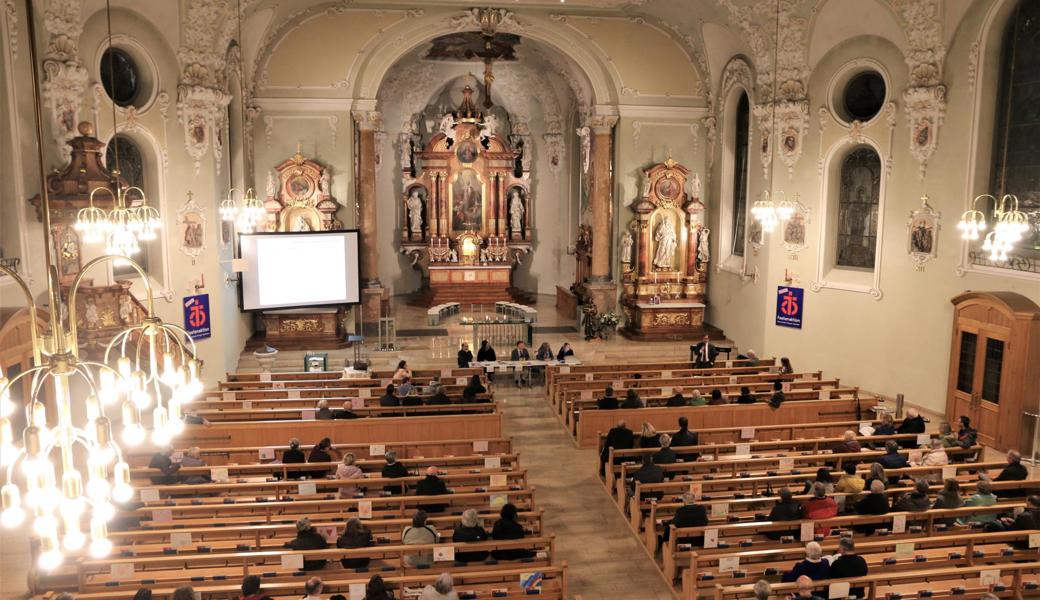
[[288, 270]]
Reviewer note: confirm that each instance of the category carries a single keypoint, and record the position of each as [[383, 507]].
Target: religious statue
[[325, 182], [626, 248], [125, 312], [703, 249], [585, 133], [695, 186], [664, 235], [301, 224], [271, 189], [91, 314], [516, 211], [414, 205], [447, 127], [453, 256], [489, 127], [646, 187]]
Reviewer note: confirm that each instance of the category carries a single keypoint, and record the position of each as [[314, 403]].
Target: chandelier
[[245, 217], [128, 223], [66, 469], [1011, 225]]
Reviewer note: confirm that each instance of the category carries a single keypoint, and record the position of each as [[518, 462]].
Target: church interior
[[588, 299]]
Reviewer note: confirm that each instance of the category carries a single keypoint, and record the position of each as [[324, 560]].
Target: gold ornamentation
[[300, 325], [671, 319]]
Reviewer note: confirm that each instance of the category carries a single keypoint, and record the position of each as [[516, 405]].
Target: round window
[[120, 76], [864, 96]]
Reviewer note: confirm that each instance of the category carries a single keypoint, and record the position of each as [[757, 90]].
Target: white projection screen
[[288, 270]]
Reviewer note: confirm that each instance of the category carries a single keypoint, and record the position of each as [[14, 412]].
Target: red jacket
[[818, 509]]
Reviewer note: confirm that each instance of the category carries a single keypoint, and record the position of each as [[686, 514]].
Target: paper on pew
[[123, 570], [292, 561], [247, 405], [219, 474], [743, 450], [989, 577], [480, 446], [696, 489], [923, 439], [786, 464], [914, 456], [162, 515], [840, 501], [904, 550], [949, 473], [588, 377], [177, 456], [824, 395], [180, 539], [711, 538], [364, 393], [357, 591], [866, 429], [617, 385], [747, 433], [460, 381], [498, 480], [307, 414], [492, 462], [899, 524], [227, 396], [666, 391], [786, 386], [729, 564], [499, 500], [357, 403], [1034, 540], [807, 532], [364, 509], [666, 374], [277, 385], [719, 510], [308, 488], [377, 449], [586, 394], [732, 378], [445, 373], [267, 454], [564, 370], [265, 376], [149, 495], [444, 553], [294, 394], [838, 591], [329, 533]]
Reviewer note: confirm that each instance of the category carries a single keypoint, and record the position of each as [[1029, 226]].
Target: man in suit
[[431, 485], [685, 437], [1027, 521], [704, 353], [778, 394], [521, 374], [665, 456], [648, 473], [847, 564], [913, 423], [677, 399], [687, 515], [619, 437], [346, 412], [609, 401], [1014, 471]]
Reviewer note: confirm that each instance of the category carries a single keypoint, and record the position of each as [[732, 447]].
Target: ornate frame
[[189, 214], [803, 211], [927, 215]]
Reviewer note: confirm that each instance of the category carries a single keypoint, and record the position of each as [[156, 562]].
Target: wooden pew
[[297, 414], [376, 374]]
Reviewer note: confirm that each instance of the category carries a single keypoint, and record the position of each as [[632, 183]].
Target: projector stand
[[387, 334]]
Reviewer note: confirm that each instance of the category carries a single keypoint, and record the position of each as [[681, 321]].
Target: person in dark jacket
[[294, 456], [473, 389], [887, 426], [648, 437], [914, 423], [717, 399], [389, 398], [619, 437], [848, 564], [308, 538], [469, 529], [438, 397], [892, 459], [745, 396], [1027, 521], [814, 566], [778, 397], [632, 399], [915, 501], [665, 456], [967, 436], [376, 589], [432, 485], [688, 515], [609, 401], [347, 412], [163, 461], [874, 503], [648, 472], [322, 411], [393, 470], [785, 509], [465, 356], [486, 353], [677, 399], [685, 437], [508, 528], [1014, 471], [565, 351], [322, 452], [355, 535]]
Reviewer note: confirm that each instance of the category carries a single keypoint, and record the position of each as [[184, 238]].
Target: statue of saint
[[125, 311], [453, 256], [516, 211], [271, 190], [447, 127], [414, 205], [325, 182], [93, 320], [695, 186], [626, 247], [703, 249], [664, 235], [646, 186], [301, 224], [489, 128]]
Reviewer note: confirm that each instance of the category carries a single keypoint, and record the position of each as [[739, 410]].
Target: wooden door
[[961, 401]]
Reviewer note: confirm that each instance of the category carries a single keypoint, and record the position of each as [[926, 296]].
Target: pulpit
[[466, 210], [665, 257]]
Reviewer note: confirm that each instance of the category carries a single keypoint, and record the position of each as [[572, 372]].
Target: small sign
[[531, 581], [743, 450], [227, 396], [196, 316], [728, 564], [747, 433], [265, 377], [307, 414], [293, 562], [899, 524], [357, 591], [618, 385], [445, 373], [364, 393], [732, 379], [824, 395], [588, 377], [838, 591], [329, 533], [247, 405], [308, 488], [840, 501], [480, 446], [1034, 540], [711, 538], [696, 490], [498, 480], [444, 553], [357, 403], [786, 386], [719, 510], [666, 391], [266, 453], [149, 495], [492, 462], [904, 550], [586, 394], [807, 532], [376, 449], [294, 394], [923, 439], [180, 539], [219, 474], [666, 374], [364, 509], [565, 370], [989, 577], [460, 381], [786, 464], [499, 500], [277, 385], [122, 570], [790, 306], [177, 456], [162, 515]]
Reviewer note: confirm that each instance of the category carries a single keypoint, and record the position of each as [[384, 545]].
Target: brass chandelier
[[66, 469]]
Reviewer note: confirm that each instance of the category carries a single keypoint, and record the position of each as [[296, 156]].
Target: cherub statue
[[489, 128], [447, 127]]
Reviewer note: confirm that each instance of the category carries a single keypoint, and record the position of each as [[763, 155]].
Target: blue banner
[[196, 316], [789, 306]]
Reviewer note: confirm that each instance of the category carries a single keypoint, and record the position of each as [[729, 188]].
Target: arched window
[[1017, 125], [859, 198], [740, 167], [131, 168]]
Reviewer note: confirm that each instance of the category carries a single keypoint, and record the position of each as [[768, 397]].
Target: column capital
[[367, 120], [601, 124]]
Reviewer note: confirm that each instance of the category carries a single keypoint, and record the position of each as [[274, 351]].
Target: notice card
[[180, 539], [729, 564], [807, 532], [292, 561], [711, 538], [267, 454], [719, 510], [149, 495], [377, 449], [444, 553], [838, 591], [493, 462], [308, 488], [364, 509], [480, 446]]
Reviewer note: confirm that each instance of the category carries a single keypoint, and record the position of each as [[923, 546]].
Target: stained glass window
[[858, 204]]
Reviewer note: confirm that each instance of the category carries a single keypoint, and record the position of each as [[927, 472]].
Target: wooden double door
[[994, 374]]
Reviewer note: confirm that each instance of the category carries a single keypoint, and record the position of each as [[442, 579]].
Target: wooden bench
[[435, 313], [245, 378], [369, 410]]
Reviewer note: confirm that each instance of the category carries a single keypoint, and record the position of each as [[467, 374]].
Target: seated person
[[913, 423], [609, 401], [698, 399], [785, 509], [544, 352], [846, 564], [850, 482], [947, 498], [469, 529], [632, 399], [915, 501], [935, 456], [432, 485], [437, 396], [473, 389], [322, 452], [983, 497], [167, 468], [704, 353], [665, 456], [405, 388], [355, 535], [347, 412], [1014, 471], [565, 351], [520, 373], [874, 503], [676, 399], [648, 472], [308, 538], [465, 356], [347, 470], [745, 396], [823, 477], [192, 418], [887, 426], [688, 515], [402, 371], [820, 507], [778, 397], [486, 353], [967, 436], [717, 399], [848, 445], [417, 534], [294, 456], [785, 366], [508, 528], [648, 437], [813, 567], [389, 397], [1027, 521], [619, 437], [322, 413], [892, 459], [393, 470], [193, 458], [685, 437]]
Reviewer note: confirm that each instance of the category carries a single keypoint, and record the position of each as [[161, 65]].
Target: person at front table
[[521, 373], [677, 399], [168, 469], [486, 353], [565, 351], [544, 352], [705, 353], [465, 356], [473, 389], [609, 401], [632, 399]]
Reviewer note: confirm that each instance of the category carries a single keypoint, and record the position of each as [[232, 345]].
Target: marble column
[[599, 286], [368, 123]]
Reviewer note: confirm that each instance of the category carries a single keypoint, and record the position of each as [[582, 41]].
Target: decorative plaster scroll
[[925, 110], [925, 98], [637, 126], [585, 135], [333, 122], [695, 133], [822, 116], [709, 134], [206, 34], [472, 19], [64, 85], [202, 111], [792, 125], [556, 148], [163, 100], [890, 120], [268, 129], [973, 65]]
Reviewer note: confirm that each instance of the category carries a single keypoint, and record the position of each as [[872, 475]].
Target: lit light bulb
[[169, 371], [98, 489], [74, 538], [100, 548], [105, 511], [45, 524], [12, 517], [93, 406], [122, 493], [10, 499], [133, 435], [51, 559], [108, 389]]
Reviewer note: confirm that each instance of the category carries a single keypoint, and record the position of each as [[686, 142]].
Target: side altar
[[466, 210], [665, 256]]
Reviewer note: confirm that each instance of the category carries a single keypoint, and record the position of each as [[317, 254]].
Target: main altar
[[665, 256], [466, 210]]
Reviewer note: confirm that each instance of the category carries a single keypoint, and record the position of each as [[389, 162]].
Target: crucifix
[[489, 21]]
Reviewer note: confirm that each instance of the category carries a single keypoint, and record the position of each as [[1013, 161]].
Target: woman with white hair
[[813, 567], [442, 589], [762, 590], [470, 529]]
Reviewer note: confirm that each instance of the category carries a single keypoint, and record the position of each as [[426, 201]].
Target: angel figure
[[626, 247], [447, 127]]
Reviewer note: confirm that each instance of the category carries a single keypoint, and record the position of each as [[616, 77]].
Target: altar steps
[[467, 295]]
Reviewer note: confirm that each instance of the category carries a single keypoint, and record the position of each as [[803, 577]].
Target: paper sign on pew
[[824, 395], [364, 393], [666, 374], [149, 495], [292, 561], [732, 379], [445, 373], [121, 570], [786, 464], [377, 449], [329, 533], [565, 370], [719, 510], [711, 538], [480, 446], [899, 524], [219, 474], [492, 462], [444, 554], [460, 381], [923, 439], [294, 394], [364, 509], [180, 539], [989, 577], [840, 500], [696, 489], [949, 473], [307, 414], [357, 403], [743, 450], [385, 382], [807, 532], [227, 396], [308, 488], [666, 391], [838, 591], [588, 377], [498, 480], [357, 591], [1034, 540], [786, 386], [247, 405], [266, 453], [586, 394], [499, 500], [729, 564], [162, 515], [265, 376], [747, 433], [904, 550], [277, 385]]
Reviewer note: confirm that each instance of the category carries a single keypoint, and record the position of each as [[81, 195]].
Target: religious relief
[[467, 198], [192, 223], [922, 234], [795, 228], [516, 211], [666, 242]]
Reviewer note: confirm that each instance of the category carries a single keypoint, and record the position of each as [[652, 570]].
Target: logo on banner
[[790, 304], [196, 316]]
